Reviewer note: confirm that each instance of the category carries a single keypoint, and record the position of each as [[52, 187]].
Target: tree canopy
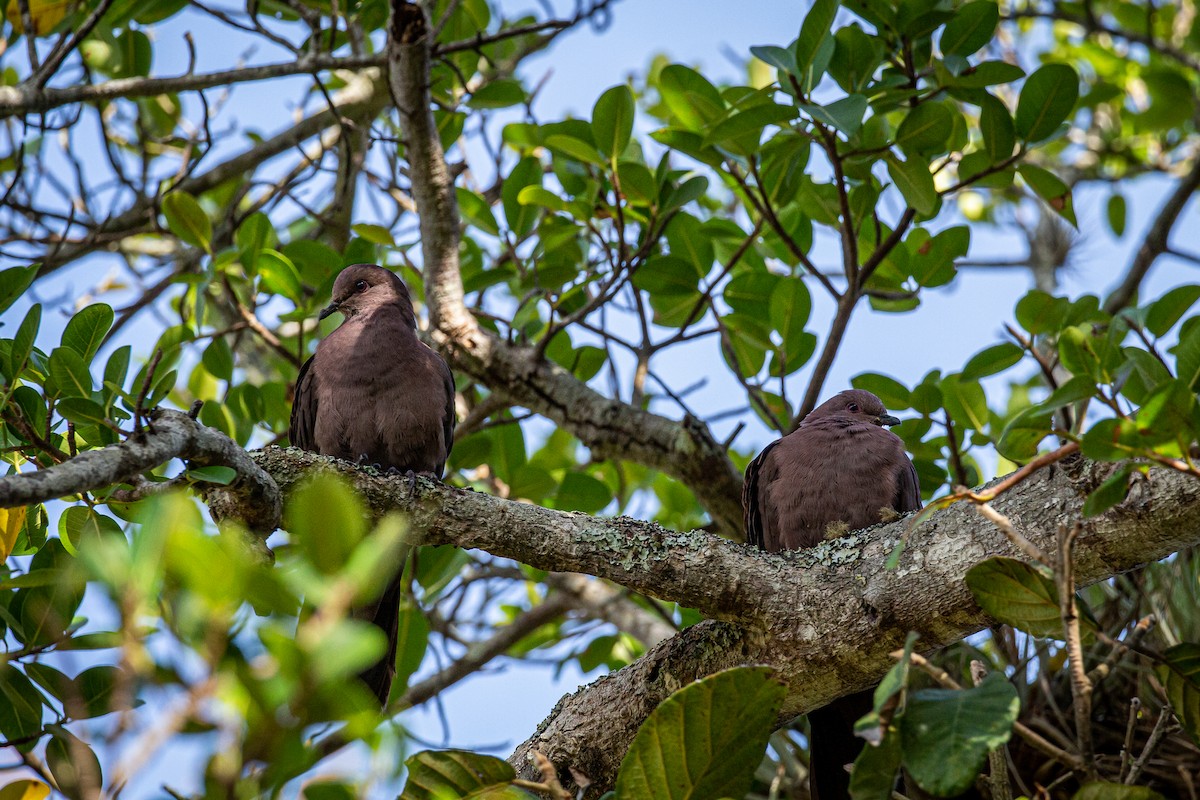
[[173, 572]]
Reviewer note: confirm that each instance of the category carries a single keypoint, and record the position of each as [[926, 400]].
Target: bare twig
[[1156, 736], [1008, 529], [1081, 686]]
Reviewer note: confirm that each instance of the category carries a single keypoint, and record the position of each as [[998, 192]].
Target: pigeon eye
[[852, 407], [360, 286]]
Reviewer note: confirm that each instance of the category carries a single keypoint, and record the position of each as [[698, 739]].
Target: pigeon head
[[855, 404], [364, 287]]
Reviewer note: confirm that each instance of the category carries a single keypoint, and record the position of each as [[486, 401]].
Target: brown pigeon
[[839, 471], [374, 393]]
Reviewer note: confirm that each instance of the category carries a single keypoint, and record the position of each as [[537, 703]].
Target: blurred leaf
[[13, 283], [705, 740], [1051, 189], [690, 96], [996, 125], [816, 27], [222, 476], [581, 492], [894, 395], [12, 520], [20, 704], [946, 734], [320, 506], [25, 790], [1163, 313], [73, 764], [187, 220], [1116, 214], [439, 775], [846, 114], [874, 773], [500, 93], [1107, 494], [218, 359], [996, 358], [376, 234], [1100, 790]]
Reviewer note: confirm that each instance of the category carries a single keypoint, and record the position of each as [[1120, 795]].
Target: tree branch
[[1157, 239], [253, 498], [685, 450], [827, 617]]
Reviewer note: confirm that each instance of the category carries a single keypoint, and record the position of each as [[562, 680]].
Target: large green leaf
[[612, 120], [925, 130], [692, 99], [913, 179], [705, 740], [972, 26], [1020, 595], [946, 734], [1047, 99], [816, 26], [13, 283], [86, 330], [459, 775]]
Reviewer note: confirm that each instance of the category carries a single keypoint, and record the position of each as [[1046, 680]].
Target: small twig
[[1081, 686], [1006, 527], [1118, 649], [997, 758], [1044, 460], [1156, 736], [1135, 706], [139, 409]]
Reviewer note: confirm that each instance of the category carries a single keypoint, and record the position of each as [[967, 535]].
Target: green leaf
[[20, 704], [971, 27], [376, 234], [1107, 494], [476, 211], [73, 764], [87, 329], [252, 236], [444, 774], [412, 639], [1047, 99], [222, 476], [749, 123], [70, 374], [1116, 214], [612, 120], [324, 504], [778, 57], [1050, 188], [790, 306], [540, 196], [581, 492], [874, 773], [577, 149], [280, 276], [966, 402], [1164, 312], [13, 283], [925, 130], [521, 218], [915, 182], [947, 734], [1018, 594], [813, 31], [846, 114], [500, 93], [22, 345], [1102, 790], [996, 125], [187, 220], [218, 359], [895, 395], [97, 687], [996, 358], [705, 740], [692, 99], [987, 73], [82, 411]]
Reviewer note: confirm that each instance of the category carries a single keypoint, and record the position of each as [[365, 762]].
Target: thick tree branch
[[827, 618], [1157, 239], [685, 450]]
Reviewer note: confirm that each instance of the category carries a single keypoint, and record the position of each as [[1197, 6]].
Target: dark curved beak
[[327, 310], [888, 420]]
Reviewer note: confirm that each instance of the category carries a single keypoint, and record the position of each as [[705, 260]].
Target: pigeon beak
[[327, 310], [888, 420]]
